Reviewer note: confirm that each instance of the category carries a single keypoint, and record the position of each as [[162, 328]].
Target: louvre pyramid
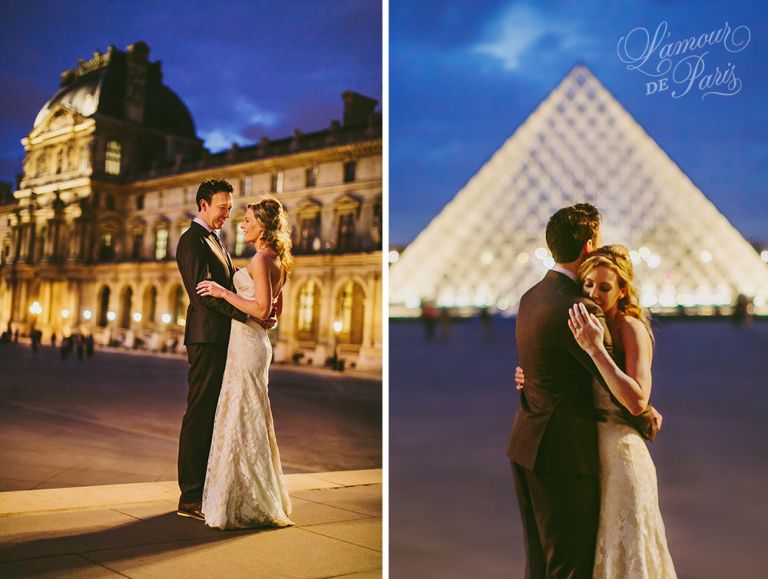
[[487, 246]]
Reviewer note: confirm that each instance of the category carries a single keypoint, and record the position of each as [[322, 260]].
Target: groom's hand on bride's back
[[271, 321], [657, 418], [519, 378]]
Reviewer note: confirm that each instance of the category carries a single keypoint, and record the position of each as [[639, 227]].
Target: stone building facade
[[109, 180]]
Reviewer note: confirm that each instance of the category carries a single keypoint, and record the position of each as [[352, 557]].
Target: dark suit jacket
[[555, 426], [200, 257]]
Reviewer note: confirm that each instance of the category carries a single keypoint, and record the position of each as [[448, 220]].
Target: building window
[[41, 161], [376, 226], [137, 248], [85, 159], [239, 242], [101, 317], [59, 161], [247, 186], [126, 304], [161, 243], [309, 233], [139, 202], [161, 199], [311, 176], [349, 311], [106, 248], [112, 161], [190, 195], [109, 202], [350, 167], [276, 182], [177, 299], [150, 305], [345, 239], [309, 311]]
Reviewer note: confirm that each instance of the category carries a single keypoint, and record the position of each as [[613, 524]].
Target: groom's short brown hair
[[570, 228], [209, 188]]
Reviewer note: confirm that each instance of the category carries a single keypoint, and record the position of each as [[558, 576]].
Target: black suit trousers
[[560, 515], [206, 372]]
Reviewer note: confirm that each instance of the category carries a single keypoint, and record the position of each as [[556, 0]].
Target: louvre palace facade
[[111, 170]]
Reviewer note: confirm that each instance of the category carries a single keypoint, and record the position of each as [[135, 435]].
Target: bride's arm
[[633, 388], [261, 305]]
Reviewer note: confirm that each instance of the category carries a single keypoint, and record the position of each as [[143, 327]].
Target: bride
[[631, 540], [244, 484]]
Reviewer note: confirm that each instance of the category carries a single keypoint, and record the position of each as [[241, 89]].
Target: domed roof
[[101, 86]]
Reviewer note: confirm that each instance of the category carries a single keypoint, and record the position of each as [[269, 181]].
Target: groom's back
[[554, 429]]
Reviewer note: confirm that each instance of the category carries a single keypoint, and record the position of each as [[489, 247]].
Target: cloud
[[521, 30], [238, 126]]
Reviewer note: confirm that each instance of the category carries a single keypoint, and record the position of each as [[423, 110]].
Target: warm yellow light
[[136, 316], [65, 313], [87, 314], [337, 326], [111, 316], [36, 308], [166, 318]]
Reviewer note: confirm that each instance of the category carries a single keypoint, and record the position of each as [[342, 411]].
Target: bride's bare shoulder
[[633, 331]]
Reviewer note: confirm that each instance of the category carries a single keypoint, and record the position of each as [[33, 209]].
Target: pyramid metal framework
[[487, 246]]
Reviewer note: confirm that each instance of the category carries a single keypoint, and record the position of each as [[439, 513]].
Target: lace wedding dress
[[244, 485], [631, 540]]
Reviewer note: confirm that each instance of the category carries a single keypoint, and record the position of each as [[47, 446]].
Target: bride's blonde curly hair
[[616, 257], [277, 232]]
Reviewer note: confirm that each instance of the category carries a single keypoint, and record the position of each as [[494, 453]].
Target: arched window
[[126, 303], [149, 307], [178, 316], [350, 310], [308, 309], [101, 317]]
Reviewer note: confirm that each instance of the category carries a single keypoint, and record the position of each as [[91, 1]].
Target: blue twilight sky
[[245, 69], [465, 74]]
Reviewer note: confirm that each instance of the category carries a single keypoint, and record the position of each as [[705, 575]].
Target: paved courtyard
[[115, 419], [452, 504]]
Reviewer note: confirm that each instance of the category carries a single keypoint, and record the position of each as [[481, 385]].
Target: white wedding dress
[[244, 484], [631, 540]]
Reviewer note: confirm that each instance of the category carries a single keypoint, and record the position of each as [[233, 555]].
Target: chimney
[[357, 108], [136, 81]]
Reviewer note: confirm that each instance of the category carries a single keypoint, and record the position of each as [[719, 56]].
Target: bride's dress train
[[244, 484], [631, 540]]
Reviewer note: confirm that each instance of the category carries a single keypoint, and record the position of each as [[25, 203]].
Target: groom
[[553, 447], [200, 256]]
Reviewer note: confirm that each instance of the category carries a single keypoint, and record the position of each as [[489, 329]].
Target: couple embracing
[[585, 482], [230, 473]]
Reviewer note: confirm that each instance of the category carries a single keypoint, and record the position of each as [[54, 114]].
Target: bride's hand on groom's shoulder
[[586, 328], [519, 378]]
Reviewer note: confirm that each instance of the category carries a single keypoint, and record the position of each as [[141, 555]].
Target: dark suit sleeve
[[194, 269]]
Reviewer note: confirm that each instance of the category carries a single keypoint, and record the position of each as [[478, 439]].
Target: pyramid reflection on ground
[[487, 246]]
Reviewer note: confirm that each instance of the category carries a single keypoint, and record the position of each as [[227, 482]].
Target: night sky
[[464, 75], [245, 69]]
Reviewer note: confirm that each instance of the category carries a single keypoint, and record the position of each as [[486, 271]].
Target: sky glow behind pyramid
[[487, 246]]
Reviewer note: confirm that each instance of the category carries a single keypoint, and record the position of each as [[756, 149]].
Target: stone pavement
[[132, 530]]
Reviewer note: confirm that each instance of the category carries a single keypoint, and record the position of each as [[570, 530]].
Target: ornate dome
[[116, 82]]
